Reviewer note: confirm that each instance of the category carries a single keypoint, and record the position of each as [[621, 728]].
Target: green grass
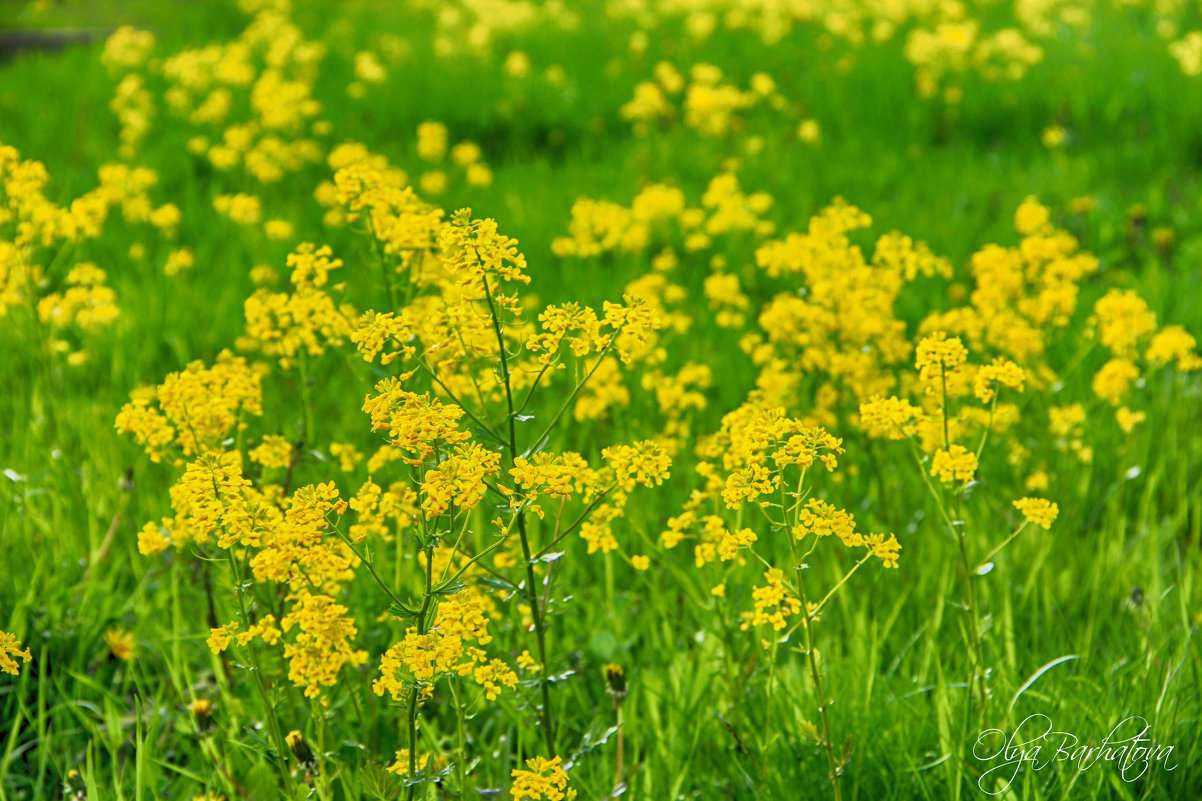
[[698, 721]]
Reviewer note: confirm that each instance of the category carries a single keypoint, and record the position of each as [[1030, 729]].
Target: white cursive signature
[[1036, 744]]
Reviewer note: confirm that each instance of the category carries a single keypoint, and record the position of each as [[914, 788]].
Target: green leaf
[[379, 783]]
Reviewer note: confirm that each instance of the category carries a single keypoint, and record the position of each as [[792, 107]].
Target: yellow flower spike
[[1039, 511], [954, 464], [545, 780], [10, 651], [938, 355]]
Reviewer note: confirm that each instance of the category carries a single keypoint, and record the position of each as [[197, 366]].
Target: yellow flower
[[431, 141], [938, 355], [640, 562], [220, 638], [400, 765], [1128, 419], [884, 549], [1114, 379], [273, 451], [1031, 217], [889, 417], [1000, 371], [120, 643], [954, 464], [10, 647], [545, 780], [644, 463], [1039, 511]]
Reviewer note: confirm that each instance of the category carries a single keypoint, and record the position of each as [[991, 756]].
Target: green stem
[[461, 762], [422, 628], [306, 403], [548, 723], [572, 397], [816, 676], [273, 723]]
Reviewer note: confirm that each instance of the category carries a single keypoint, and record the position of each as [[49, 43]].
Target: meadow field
[[598, 399]]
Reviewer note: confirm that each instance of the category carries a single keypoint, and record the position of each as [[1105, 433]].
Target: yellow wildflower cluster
[[459, 480], [1039, 511], [249, 102], [10, 651], [304, 322], [773, 603], [545, 780], [446, 649], [71, 301], [600, 226], [193, 410], [709, 104]]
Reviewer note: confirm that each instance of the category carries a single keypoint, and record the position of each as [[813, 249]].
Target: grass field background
[[1105, 129]]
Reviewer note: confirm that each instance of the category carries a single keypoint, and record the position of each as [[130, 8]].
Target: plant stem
[[548, 723], [422, 628], [273, 723], [816, 675]]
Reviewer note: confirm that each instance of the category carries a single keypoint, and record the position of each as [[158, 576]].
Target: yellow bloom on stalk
[[1128, 419], [400, 765], [636, 320], [1174, 344], [274, 451], [127, 48], [1121, 318], [220, 638], [197, 407], [415, 423], [644, 463], [545, 780], [822, 519], [527, 662], [890, 417], [472, 248], [459, 479], [547, 474], [241, 208], [152, 539], [493, 676], [1000, 371], [938, 355], [1113, 380], [348, 456], [466, 153], [597, 532], [576, 324], [1031, 217], [120, 643], [957, 463], [10, 651], [1039, 511], [322, 643], [1053, 136], [422, 656], [885, 549], [178, 261], [264, 628], [377, 333], [431, 141], [773, 604], [311, 265], [295, 545]]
